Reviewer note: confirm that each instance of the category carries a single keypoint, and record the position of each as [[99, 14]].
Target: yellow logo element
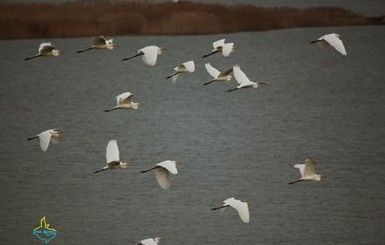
[[43, 232]]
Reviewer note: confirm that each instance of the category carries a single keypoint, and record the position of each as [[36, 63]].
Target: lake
[[318, 104]]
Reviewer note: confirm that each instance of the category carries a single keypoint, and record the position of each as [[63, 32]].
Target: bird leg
[[35, 56], [290, 183], [224, 206], [144, 171], [138, 54], [207, 55], [98, 171], [32, 138], [84, 50], [210, 82]]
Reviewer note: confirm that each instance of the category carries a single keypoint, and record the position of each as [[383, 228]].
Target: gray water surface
[[244, 144]]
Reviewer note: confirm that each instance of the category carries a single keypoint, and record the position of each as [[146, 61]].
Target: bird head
[[56, 52], [56, 132], [157, 239], [178, 162], [340, 36], [135, 105], [319, 177], [160, 50]]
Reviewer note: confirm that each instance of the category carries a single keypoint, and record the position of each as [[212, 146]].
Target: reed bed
[[90, 18]]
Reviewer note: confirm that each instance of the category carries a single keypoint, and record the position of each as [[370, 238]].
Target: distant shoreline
[[86, 18]]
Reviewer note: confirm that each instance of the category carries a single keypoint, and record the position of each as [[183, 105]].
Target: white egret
[[162, 172], [307, 172], [217, 75], [50, 135], [221, 46], [123, 101], [332, 39], [45, 49], [243, 81], [188, 66], [241, 207], [112, 157], [149, 54], [100, 42], [150, 241]]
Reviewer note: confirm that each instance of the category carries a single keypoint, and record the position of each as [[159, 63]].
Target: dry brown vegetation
[[90, 18]]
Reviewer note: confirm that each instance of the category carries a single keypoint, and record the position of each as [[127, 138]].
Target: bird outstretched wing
[[45, 138], [150, 55], [241, 77], [212, 71], [100, 40], [112, 151], [124, 98], [301, 168], [44, 45], [219, 43], [163, 177], [309, 167], [189, 65], [334, 41]]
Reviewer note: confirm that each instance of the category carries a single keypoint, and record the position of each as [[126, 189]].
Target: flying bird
[[149, 54], [307, 171], [150, 241], [332, 39], [217, 75], [241, 207], [221, 46], [123, 101], [162, 172], [100, 42], [45, 49], [186, 67], [50, 135], [243, 81], [112, 157]]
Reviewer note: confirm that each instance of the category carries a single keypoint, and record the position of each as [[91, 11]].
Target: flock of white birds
[[163, 169]]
